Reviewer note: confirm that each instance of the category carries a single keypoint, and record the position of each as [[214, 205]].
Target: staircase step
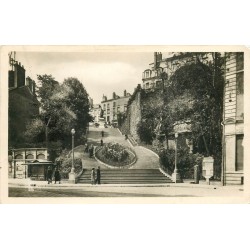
[[127, 176]]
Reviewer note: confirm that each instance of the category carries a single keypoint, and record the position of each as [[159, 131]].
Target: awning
[[39, 162]]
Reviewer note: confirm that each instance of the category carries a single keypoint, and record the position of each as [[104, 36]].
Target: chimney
[[19, 75], [114, 95], [34, 87], [103, 98], [159, 57], [125, 92], [11, 78], [155, 60], [29, 83]]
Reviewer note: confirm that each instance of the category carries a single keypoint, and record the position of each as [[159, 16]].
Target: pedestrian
[[102, 133], [86, 150], [91, 151], [101, 142], [98, 175], [57, 176], [49, 175], [93, 176]]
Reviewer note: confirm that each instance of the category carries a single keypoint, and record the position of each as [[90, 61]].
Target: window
[[114, 104], [104, 106], [108, 106], [239, 95], [239, 153], [239, 61]]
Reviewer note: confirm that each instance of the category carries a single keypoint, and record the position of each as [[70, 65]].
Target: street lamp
[[176, 176], [72, 172], [73, 133]]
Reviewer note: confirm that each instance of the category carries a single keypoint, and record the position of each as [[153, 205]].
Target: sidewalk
[[66, 185]]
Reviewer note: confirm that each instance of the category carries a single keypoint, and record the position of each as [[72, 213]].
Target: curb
[[171, 185]]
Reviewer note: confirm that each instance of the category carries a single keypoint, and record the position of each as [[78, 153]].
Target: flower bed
[[115, 155]]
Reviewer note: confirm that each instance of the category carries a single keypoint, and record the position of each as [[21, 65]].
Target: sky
[[100, 72]]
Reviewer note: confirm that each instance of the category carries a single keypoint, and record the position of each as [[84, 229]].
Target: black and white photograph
[[125, 121]]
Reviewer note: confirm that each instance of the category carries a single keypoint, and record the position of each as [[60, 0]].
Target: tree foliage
[[63, 107], [202, 89], [194, 92]]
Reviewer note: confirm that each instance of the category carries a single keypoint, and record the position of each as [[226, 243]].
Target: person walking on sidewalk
[[49, 175], [93, 176], [57, 176], [98, 175]]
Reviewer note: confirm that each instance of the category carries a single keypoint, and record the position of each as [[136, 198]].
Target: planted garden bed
[[116, 155]]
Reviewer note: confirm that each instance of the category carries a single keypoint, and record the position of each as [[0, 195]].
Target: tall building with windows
[[115, 105], [160, 71], [233, 158]]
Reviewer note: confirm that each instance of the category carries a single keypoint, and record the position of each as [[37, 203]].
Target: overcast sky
[[100, 72]]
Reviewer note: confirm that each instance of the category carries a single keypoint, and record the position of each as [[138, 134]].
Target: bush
[[185, 162], [145, 131], [115, 152], [65, 164]]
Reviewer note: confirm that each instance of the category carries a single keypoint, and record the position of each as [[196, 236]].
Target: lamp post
[[176, 176], [72, 177]]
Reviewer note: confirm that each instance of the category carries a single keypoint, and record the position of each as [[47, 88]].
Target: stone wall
[[135, 115]]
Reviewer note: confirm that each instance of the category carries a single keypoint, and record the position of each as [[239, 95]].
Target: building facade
[[112, 107], [23, 103], [233, 156], [96, 112]]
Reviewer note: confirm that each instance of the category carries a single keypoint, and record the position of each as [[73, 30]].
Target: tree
[[145, 131], [63, 107], [77, 103]]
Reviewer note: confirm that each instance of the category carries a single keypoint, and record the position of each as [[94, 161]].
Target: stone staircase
[[127, 176]]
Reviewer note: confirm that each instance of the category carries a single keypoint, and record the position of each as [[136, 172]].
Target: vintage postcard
[[124, 124]]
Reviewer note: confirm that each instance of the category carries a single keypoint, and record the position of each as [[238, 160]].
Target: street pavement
[[126, 191]]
